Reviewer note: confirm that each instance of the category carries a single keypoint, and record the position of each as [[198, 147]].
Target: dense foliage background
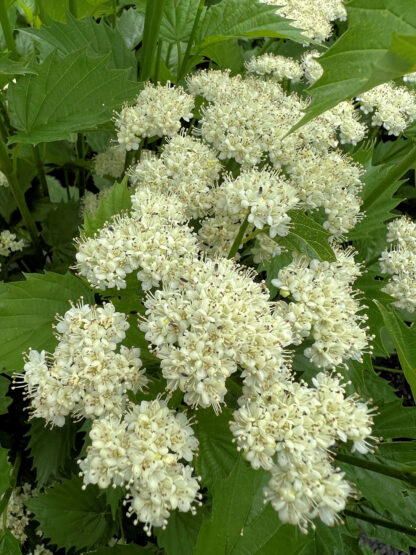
[[65, 67]]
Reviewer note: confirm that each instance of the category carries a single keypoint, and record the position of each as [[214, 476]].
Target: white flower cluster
[[91, 201], [410, 78], [290, 430], [218, 318], [9, 243], [152, 239], [326, 307], [4, 182], [158, 111], [84, 377], [17, 514], [400, 263], [248, 120], [277, 67], [314, 17], [186, 167], [143, 451], [312, 69], [110, 162], [394, 107]]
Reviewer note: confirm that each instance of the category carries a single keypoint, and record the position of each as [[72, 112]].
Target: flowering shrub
[[197, 356]]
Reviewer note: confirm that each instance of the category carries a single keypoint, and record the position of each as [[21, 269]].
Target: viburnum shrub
[[209, 277]]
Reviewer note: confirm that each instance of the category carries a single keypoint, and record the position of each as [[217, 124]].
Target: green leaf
[[227, 54], [71, 516], [130, 25], [4, 400], [8, 544], [97, 39], [404, 339], [50, 448], [330, 541], [307, 237], [130, 549], [181, 532], [239, 19], [57, 10], [28, 309], [69, 94], [57, 193], [10, 68], [177, 20], [361, 59], [5, 470], [117, 201], [217, 453], [241, 524]]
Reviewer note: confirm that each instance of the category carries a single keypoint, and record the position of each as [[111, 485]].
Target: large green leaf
[[217, 454], [96, 38], [70, 94], [130, 25], [241, 524], [4, 399], [360, 59], [404, 339], [180, 534], [177, 20], [325, 540], [5, 470], [57, 10], [119, 200], [71, 516], [28, 309], [239, 19], [50, 448], [307, 237], [9, 544]]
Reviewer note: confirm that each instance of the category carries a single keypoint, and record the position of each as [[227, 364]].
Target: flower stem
[[236, 245], [153, 18], [7, 168], [400, 474], [183, 69], [380, 522], [385, 369], [7, 30]]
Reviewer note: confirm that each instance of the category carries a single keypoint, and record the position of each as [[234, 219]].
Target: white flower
[[312, 68], [394, 107], [144, 451], [278, 67], [110, 162], [9, 243], [157, 112], [3, 180]]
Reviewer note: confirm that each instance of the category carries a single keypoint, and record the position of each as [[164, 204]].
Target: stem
[[182, 71], [236, 245], [114, 14], [394, 174], [41, 172], [158, 55], [120, 524], [154, 10], [72, 8], [18, 194], [252, 235], [7, 30], [385, 369], [378, 467], [380, 522], [179, 48], [265, 47]]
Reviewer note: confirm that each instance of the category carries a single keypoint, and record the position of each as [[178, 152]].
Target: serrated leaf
[[4, 399], [10, 68], [307, 237], [70, 516], [50, 448], [9, 544], [177, 20], [239, 19], [359, 60], [217, 453], [28, 309], [130, 25], [117, 201], [69, 94], [97, 38], [241, 524], [181, 532], [5, 470], [404, 339], [325, 540]]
